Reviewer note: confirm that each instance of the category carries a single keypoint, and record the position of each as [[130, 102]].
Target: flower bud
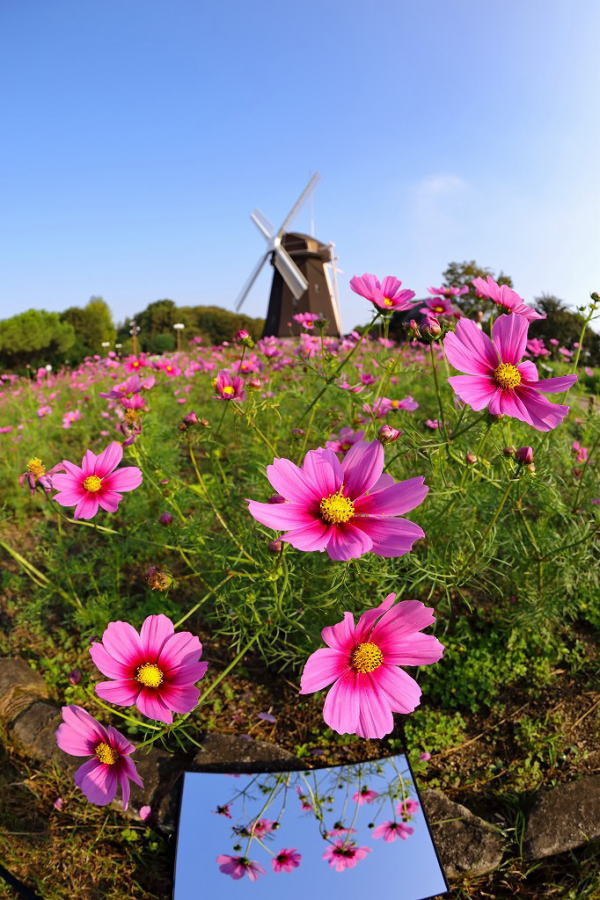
[[191, 419], [243, 337], [509, 451], [74, 676], [387, 434], [165, 518], [470, 458], [432, 328], [525, 455], [413, 329], [275, 546]]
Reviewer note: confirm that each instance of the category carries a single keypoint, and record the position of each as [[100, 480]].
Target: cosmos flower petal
[[73, 742], [413, 650], [362, 467], [189, 673], [150, 704], [391, 537], [342, 705], [476, 390], [322, 469], [179, 649], [395, 500], [280, 516], [181, 698], [470, 350], [341, 635], [315, 536], [122, 642], [403, 620], [97, 781], [109, 459], [127, 478], [289, 481], [348, 542], [87, 507], [321, 668], [107, 664], [554, 385], [402, 691], [121, 693], [510, 337], [108, 500], [375, 719], [154, 632]]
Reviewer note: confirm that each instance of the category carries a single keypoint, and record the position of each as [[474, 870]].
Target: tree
[[34, 338], [462, 274], [93, 326]]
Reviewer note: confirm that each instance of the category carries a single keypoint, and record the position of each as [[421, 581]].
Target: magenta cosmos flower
[[286, 860], [441, 306], [365, 795], [505, 297], [345, 855], [390, 830], [363, 663], [95, 483], [110, 766], [448, 291], [347, 508], [238, 866], [155, 669], [496, 378], [385, 295], [228, 387]]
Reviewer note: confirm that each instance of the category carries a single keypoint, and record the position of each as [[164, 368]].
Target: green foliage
[[93, 326], [565, 326], [34, 338]]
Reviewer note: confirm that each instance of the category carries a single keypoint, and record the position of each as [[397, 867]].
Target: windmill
[[304, 274]]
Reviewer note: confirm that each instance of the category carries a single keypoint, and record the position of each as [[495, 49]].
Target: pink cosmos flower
[[304, 801], [407, 808], [363, 663], [581, 453], [345, 855], [364, 796], [342, 442], [96, 483], [223, 810], [110, 767], [348, 508], [238, 866], [440, 306], [44, 411], [307, 320], [448, 291], [155, 669], [390, 830], [169, 368], [228, 387], [385, 295], [134, 363], [496, 378], [536, 347], [70, 417], [262, 827], [286, 860], [505, 297]]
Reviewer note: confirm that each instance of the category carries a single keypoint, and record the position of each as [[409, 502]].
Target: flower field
[[345, 546]]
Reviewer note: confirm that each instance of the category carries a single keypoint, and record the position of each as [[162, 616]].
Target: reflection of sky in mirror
[[405, 868]]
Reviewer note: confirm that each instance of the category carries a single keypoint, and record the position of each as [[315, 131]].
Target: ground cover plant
[[209, 538]]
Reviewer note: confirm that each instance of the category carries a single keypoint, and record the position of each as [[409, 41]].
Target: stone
[[20, 686], [224, 752], [161, 773], [35, 729], [467, 845], [563, 817]]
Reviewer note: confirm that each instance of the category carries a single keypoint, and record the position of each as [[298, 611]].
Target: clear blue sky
[[137, 136], [401, 870]]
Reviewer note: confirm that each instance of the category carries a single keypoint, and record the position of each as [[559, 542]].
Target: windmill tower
[[304, 275]]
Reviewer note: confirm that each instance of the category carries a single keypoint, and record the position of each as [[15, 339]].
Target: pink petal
[[109, 666], [80, 721], [179, 649], [342, 705], [280, 516], [97, 781], [470, 350], [391, 537], [528, 371], [529, 406], [118, 740], [347, 542], [154, 632], [87, 507], [342, 635], [88, 463], [121, 693], [180, 698], [322, 470], [315, 536], [109, 459], [74, 743], [126, 479], [549, 386], [476, 390], [510, 337], [412, 650], [67, 483], [393, 501], [289, 481], [375, 719], [150, 704], [130, 770], [68, 498], [122, 642], [109, 500], [188, 674], [403, 620], [73, 470], [365, 625], [362, 467], [401, 691], [321, 668]]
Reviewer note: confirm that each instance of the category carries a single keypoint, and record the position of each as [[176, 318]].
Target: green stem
[[203, 600], [490, 525]]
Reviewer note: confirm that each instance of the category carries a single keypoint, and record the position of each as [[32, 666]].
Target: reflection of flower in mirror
[[238, 866], [365, 795], [286, 860], [391, 830], [345, 855]]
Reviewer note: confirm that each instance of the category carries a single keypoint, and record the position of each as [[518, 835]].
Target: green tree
[[93, 326], [564, 325], [34, 338]]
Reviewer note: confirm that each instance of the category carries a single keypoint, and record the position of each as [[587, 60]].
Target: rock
[[161, 773], [20, 686], [35, 729], [563, 817], [224, 752], [467, 845]]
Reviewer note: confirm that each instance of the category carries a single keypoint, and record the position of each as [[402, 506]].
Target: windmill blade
[[290, 272], [309, 187], [262, 223], [248, 286]]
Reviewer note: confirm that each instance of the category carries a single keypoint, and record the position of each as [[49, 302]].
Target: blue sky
[[402, 869], [138, 136]]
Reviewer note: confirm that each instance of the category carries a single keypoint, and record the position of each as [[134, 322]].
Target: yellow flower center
[[92, 484], [387, 301], [395, 404], [106, 754], [149, 675], [507, 376], [336, 508], [366, 658], [36, 467], [438, 309], [228, 390], [131, 416]]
